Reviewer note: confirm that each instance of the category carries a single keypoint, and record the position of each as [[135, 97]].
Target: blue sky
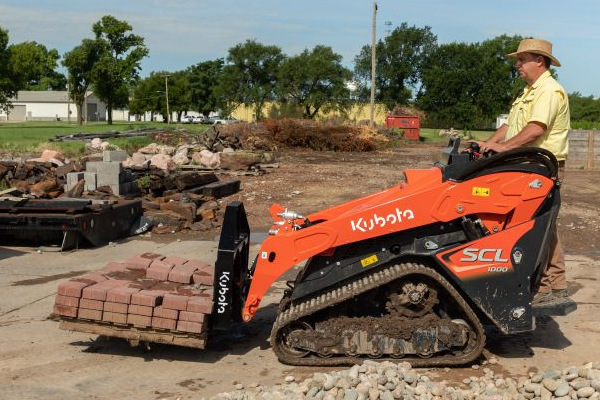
[[184, 32]]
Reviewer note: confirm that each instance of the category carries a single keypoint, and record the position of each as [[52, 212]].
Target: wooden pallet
[[135, 335]]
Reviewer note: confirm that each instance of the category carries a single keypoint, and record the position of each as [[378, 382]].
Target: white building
[[47, 105]]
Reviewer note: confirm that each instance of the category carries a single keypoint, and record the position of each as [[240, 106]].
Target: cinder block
[[200, 304], [95, 315], [126, 188], [66, 300], [182, 274], [92, 304], [151, 298], [91, 181], [139, 320], [192, 316], [203, 278], [175, 302], [162, 312], [114, 317], [120, 308], [73, 178], [114, 155], [72, 288], [164, 323], [66, 311], [140, 310], [159, 270], [121, 294], [189, 326], [107, 173], [175, 260]]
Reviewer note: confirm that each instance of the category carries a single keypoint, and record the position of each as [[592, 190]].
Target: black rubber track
[[352, 289]]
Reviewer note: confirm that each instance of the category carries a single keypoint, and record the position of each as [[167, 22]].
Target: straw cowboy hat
[[536, 46]]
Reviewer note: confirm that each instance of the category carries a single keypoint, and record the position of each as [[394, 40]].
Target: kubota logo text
[[222, 299], [364, 225], [472, 254]]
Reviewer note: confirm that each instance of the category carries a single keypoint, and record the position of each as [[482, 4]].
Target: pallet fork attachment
[[231, 268]]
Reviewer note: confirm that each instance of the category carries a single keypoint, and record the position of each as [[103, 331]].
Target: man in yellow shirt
[[540, 117]]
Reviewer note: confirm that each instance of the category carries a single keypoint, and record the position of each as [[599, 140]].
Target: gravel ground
[[388, 381]]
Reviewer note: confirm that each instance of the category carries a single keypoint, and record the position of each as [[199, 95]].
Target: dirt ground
[[39, 361]]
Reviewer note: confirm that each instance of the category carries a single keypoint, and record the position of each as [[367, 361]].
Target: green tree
[[34, 67], [8, 83], [80, 64], [149, 96], [315, 79], [584, 109], [399, 58], [203, 79], [467, 85], [250, 76], [119, 63]]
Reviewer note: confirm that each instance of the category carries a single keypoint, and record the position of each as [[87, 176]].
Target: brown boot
[[540, 297]]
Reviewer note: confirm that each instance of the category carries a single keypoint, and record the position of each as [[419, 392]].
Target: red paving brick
[[164, 323], [203, 278], [72, 288], [201, 266], [191, 316], [117, 318], [113, 267], [159, 270], [92, 304], [150, 298], [67, 311], [121, 294], [175, 260], [66, 300], [162, 312], [142, 261], [99, 290], [188, 326], [116, 307], [139, 320], [175, 302], [84, 313], [200, 305], [182, 274], [140, 310]]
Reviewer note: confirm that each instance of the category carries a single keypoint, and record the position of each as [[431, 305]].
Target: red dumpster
[[408, 123]]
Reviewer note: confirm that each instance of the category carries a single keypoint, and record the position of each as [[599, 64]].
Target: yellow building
[[358, 112]]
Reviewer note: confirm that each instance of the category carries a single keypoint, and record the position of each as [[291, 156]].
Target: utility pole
[[68, 105], [373, 64], [167, 97]]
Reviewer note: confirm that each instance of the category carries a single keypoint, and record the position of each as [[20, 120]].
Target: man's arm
[[528, 135], [499, 135]]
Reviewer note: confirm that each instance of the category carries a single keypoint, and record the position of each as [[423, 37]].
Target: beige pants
[[554, 275]]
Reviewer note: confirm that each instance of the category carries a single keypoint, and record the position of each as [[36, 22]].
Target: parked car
[[228, 120], [192, 119]]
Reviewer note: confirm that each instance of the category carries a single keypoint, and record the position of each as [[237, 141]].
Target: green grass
[[33, 137], [431, 135]]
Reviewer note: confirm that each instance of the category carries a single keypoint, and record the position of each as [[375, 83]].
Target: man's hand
[[496, 147]]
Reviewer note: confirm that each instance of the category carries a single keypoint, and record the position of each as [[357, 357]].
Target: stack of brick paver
[[148, 291]]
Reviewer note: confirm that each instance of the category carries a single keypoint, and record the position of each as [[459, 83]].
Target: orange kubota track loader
[[412, 272]]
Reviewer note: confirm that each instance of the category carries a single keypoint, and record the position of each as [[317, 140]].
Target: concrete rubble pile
[[173, 198], [149, 292], [387, 381]]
